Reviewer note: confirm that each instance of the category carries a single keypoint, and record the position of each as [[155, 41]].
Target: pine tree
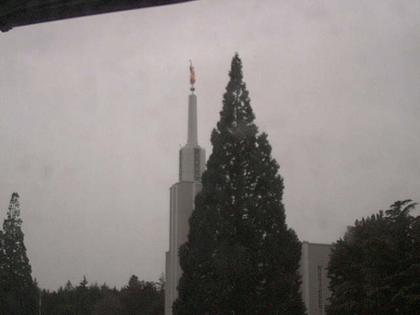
[[83, 304], [18, 290], [240, 257]]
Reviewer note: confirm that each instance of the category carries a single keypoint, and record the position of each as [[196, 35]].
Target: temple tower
[[182, 196]]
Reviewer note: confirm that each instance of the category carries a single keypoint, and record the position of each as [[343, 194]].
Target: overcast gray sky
[[94, 110]]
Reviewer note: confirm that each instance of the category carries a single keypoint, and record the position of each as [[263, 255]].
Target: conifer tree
[[18, 290], [240, 257]]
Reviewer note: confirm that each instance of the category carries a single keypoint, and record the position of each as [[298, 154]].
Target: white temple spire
[[192, 160], [192, 156], [192, 120]]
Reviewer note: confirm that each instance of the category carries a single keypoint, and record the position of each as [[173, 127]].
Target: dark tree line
[[136, 298]]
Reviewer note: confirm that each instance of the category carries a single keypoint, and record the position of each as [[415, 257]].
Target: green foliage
[[80, 300], [137, 298], [240, 257], [375, 268], [18, 291], [109, 304], [141, 297]]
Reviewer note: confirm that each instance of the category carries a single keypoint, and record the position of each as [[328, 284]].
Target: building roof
[[15, 13]]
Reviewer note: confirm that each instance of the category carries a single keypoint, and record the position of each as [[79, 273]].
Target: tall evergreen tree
[[18, 290], [240, 257]]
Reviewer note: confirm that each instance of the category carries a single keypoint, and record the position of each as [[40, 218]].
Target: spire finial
[[192, 76]]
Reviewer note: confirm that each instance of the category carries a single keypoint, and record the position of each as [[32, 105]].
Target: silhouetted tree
[[240, 257], [375, 267], [18, 291], [137, 298], [109, 304], [141, 297]]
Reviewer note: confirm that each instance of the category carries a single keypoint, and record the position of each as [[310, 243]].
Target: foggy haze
[[94, 111]]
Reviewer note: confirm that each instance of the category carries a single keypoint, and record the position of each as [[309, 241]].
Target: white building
[[182, 194], [315, 282]]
